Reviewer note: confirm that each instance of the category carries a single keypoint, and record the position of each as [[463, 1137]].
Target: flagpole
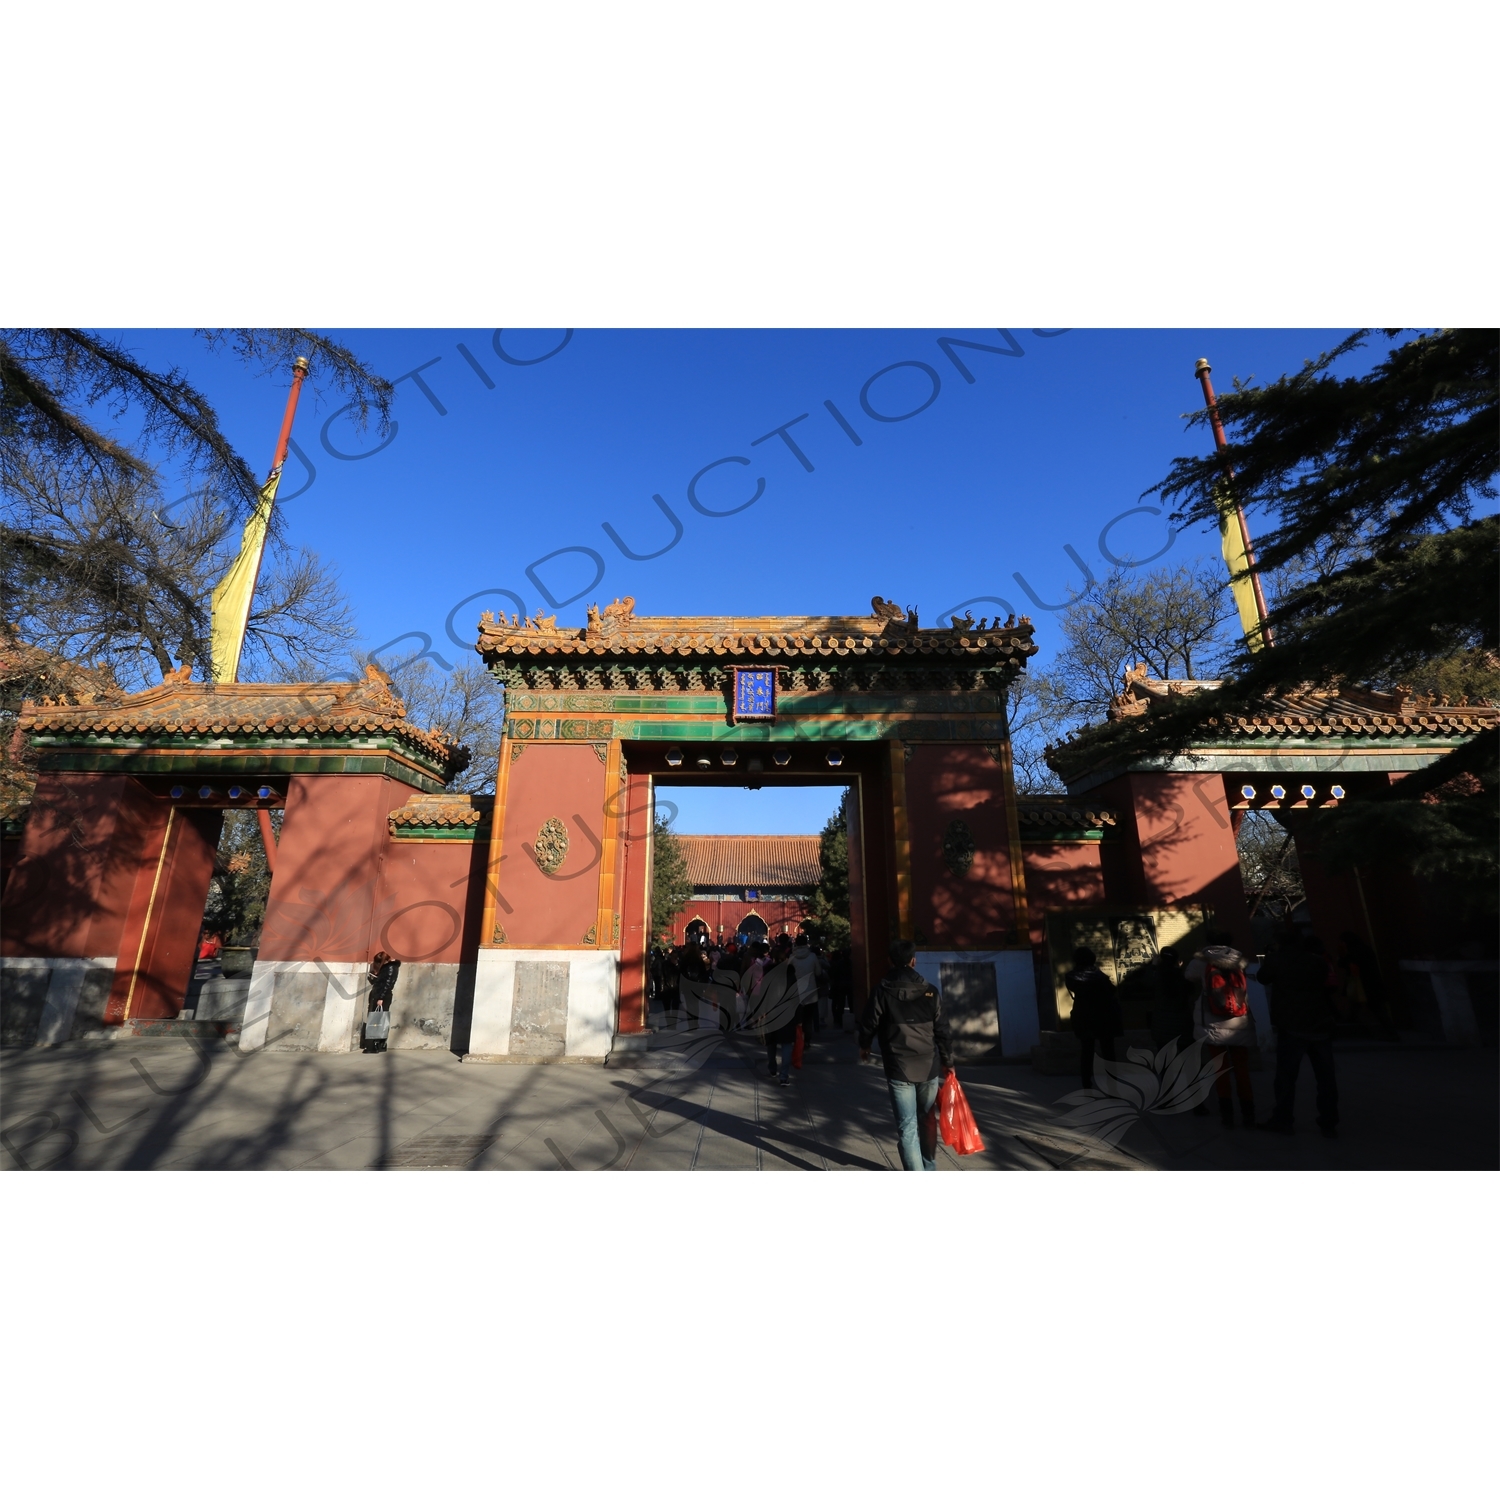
[[235, 591], [1260, 634], [283, 446], [283, 443]]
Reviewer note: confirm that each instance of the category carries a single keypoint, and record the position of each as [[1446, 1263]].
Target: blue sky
[[990, 478]]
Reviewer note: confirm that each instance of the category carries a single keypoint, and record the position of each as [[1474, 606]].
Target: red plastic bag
[[956, 1119], [797, 1050]]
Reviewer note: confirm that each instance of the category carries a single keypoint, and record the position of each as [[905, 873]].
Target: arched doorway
[[600, 719], [753, 926]]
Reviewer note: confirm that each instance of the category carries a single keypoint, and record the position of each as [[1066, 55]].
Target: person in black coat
[[1096, 1012], [1171, 1001], [838, 984], [1299, 986], [382, 977], [693, 962], [906, 1013]]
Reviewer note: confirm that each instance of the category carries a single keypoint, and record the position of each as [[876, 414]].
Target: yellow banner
[[1232, 540], [235, 590]]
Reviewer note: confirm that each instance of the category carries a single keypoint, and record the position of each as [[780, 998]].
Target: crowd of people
[[781, 987], [1205, 999], [788, 990]]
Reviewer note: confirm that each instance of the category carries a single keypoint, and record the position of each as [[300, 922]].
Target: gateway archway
[[601, 717]]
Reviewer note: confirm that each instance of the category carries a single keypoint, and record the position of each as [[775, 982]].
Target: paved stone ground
[[200, 1106]]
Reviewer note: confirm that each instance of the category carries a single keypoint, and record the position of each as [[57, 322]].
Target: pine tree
[[829, 907], [671, 885], [1382, 568], [1386, 472]]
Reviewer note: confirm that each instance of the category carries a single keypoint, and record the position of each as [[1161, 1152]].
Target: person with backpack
[[1223, 1023], [1096, 1017], [906, 1013]]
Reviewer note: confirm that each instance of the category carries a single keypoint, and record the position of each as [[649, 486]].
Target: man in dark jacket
[[1298, 984], [1171, 1001], [906, 1014], [1096, 1017]]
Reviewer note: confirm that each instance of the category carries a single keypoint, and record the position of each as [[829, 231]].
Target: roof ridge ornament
[[611, 620]]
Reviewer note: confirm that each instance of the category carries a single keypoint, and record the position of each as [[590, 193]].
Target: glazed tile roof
[[888, 631], [1340, 711], [732, 861], [1345, 714], [444, 810], [1039, 813], [179, 706], [1294, 722]]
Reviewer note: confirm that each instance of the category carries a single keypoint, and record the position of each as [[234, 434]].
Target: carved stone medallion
[[958, 847], [551, 846]]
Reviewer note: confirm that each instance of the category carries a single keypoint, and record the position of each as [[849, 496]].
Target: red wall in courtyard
[[537, 910], [329, 863], [72, 882], [975, 909], [1067, 873], [1176, 846], [431, 900]]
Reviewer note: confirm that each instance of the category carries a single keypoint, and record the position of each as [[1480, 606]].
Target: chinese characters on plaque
[[755, 692]]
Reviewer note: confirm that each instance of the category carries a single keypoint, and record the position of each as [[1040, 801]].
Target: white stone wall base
[[593, 998], [345, 984], [64, 986], [1015, 992]]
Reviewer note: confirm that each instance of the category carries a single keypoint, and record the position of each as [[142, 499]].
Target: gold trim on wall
[[161, 860], [1017, 859], [490, 922], [614, 797], [902, 837]]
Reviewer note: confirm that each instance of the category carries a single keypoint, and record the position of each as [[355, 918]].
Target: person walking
[[825, 991], [1096, 1014], [805, 966], [694, 964], [669, 981], [838, 985], [1222, 1021], [772, 997], [906, 1013], [1300, 988]]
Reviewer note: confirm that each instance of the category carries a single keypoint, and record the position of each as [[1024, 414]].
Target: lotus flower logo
[[1168, 1083]]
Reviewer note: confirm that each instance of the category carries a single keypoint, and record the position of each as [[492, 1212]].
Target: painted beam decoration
[[755, 692]]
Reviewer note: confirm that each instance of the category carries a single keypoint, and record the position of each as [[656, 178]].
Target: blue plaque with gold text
[[755, 692]]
